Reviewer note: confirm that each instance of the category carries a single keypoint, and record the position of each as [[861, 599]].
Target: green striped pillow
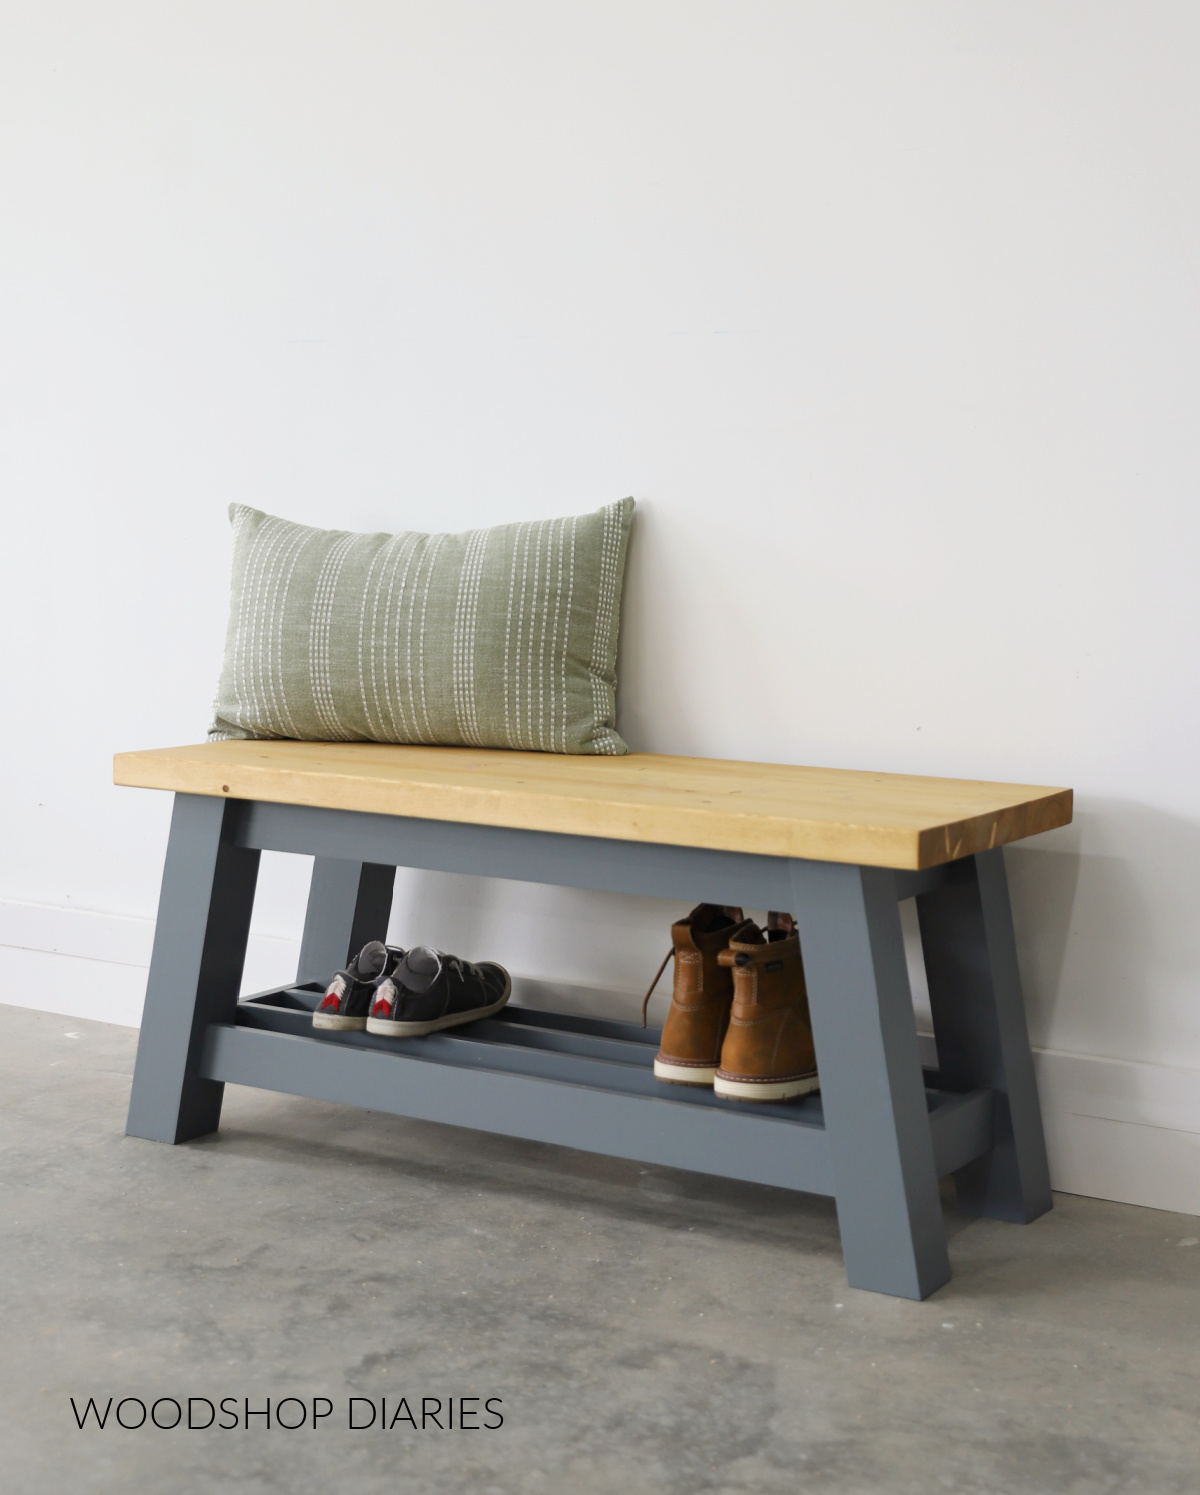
[[502, 637]]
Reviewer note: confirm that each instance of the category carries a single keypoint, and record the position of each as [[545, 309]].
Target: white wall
[[889, 315]]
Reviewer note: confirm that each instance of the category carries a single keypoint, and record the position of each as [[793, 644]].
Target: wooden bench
[[838, 849]]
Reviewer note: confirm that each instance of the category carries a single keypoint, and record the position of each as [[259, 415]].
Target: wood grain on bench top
[[826, 814]]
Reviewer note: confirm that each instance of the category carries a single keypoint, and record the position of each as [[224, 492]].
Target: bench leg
[[982, 1038], [872, 1089], [349, 903], [195, 969]]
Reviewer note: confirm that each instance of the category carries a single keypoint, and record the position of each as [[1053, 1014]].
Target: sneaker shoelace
[[451, 963], [463, 967]]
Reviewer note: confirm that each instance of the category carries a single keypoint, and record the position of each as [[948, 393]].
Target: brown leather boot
[[699, 1015], [768, 1050]]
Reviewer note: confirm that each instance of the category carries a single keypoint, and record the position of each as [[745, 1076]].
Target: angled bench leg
[[349, 903], [982, 1038], [872, 1089], [195, 969]]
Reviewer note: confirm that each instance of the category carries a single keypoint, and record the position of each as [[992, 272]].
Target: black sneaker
[[347, 1000], [429, 990]]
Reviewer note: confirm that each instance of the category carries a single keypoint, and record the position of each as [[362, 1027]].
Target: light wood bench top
[[825, 814]]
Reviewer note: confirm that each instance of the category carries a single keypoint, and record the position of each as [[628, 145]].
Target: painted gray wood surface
[[349, 903], [195, 970]]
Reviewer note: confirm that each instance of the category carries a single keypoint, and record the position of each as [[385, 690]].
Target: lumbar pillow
[[502, 637]]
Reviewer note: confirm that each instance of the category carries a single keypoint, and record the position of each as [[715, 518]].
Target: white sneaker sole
[[384, 1027], [333, 1022], [684, 1074], [765, 1089]]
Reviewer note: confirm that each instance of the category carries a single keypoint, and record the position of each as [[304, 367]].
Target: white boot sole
[[683, 1074], [765, 1089]]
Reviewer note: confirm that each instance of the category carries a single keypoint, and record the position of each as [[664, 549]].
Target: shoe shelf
[[554, 1077]]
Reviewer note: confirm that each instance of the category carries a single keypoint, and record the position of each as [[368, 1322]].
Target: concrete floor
[[645, 1330]]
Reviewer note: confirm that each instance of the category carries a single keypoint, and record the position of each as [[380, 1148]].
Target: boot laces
[[654, 983]]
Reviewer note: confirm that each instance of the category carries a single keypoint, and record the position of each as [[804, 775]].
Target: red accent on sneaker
[[381, 1008], [331, 1002]]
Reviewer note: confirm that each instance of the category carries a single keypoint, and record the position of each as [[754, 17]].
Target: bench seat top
[[824, 814]]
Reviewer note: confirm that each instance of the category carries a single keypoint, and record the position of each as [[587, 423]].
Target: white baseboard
[[51, 981], [1155, 1166], [93, 965], [1115, 1129]]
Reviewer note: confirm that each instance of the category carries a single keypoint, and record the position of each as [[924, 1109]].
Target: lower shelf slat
[[556, 1077], [645, 1128], [523, 1040]]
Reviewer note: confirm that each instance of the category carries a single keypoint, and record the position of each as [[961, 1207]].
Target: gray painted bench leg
[[872, 1089], [349, 903], [982, 1038], [195, 969]]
